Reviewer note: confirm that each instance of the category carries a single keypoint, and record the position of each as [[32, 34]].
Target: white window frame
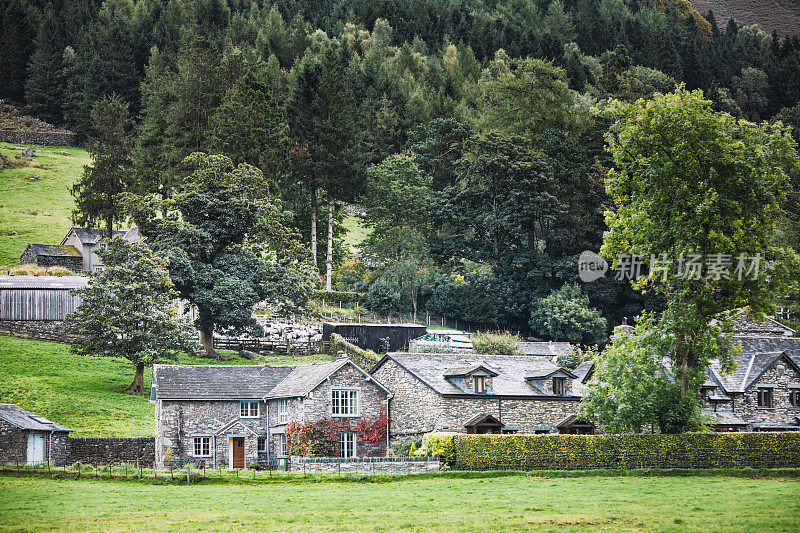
[[347, 439], [249, 409], [198, 440], [261, 439], [283, 411], [336, 403], [281, 444]]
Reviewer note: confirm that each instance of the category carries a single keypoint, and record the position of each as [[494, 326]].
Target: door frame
[[231, 442], [31, 450]]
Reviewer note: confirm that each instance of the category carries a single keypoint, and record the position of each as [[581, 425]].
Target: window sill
[[250, 417], [345, 416]]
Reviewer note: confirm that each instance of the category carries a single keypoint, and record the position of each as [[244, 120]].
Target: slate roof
[[92, 235], [510, 380], [242, 382], [216, 382], [467, 370], [43, 282], [26, 420], [583, 372], [545, 348], [743, 324], [54, 250], [758, 354], [724, 418]]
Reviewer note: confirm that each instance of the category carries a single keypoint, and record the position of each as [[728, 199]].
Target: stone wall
[[13, 444], [47, 138], [416, 408], [47, 330], [399, 465], [104, 451], [30, 257], [779, 378]]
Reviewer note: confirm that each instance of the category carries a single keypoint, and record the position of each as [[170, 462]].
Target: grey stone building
[[233, 416], [471, 393], [49, 255], [763, 393], [27, 438], [88, 240]]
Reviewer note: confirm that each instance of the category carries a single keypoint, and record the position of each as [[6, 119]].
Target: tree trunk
[[110, 226], [329, 257], [314, 212], [207, 344], [138, 380]]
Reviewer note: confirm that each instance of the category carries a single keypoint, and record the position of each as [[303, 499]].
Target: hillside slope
[[782, 16], [86, 393], [37, 209]]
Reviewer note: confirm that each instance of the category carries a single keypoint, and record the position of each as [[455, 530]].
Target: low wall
[[46, 330], [47, 138], [397, 465], [104, 451]]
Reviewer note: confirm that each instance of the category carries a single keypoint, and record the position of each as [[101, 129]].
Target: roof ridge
[[747, 372]]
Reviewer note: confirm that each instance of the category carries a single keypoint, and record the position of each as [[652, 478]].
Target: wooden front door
[[237, 452]]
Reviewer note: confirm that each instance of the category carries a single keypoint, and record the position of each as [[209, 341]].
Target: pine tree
[[18, 21], [43, 89], [97, 193]]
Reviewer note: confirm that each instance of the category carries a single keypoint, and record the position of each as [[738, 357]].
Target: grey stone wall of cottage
[[415, 408]]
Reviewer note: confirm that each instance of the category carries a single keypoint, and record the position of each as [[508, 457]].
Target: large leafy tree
[[227, 246], [633, 388], [130, 310], [701, 188], [97, 193]]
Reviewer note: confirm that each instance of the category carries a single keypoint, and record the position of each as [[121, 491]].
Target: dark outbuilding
[[27, 438], [370, 336]]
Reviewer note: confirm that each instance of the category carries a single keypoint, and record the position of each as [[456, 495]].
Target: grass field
[[86, 393], [39, 211], [512, 503], [356, 232]]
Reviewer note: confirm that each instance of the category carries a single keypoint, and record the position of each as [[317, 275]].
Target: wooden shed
[[39, 298], [370, 336]]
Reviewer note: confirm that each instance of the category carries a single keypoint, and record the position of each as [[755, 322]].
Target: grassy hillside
[[356, 232], [782, 16], [85, 393], [38, 210]]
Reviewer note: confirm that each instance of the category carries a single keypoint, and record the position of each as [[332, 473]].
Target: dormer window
[[558, 386], [480, 384]]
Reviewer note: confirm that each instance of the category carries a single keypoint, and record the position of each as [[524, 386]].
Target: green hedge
[[697, 450]]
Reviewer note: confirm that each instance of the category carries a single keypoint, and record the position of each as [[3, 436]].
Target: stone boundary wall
[[46, 330], [395, 465], [47, 138], [105, 451]]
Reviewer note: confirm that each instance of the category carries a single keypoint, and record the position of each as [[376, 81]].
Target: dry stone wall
[[398, 465], [46, 138]]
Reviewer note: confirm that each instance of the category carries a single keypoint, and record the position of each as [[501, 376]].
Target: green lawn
[[513, 503], [356, 232], [86, 393], [39, 211]]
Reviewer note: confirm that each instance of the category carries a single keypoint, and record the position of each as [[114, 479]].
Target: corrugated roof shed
[[23, 419], [43, 282]]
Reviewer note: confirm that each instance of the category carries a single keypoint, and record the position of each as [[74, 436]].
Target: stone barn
[[370, 336], [50, 255], [27, 438]]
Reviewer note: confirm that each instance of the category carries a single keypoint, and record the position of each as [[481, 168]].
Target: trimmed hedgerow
[[698, 450]]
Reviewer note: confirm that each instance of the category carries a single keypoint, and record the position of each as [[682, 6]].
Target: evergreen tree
[[18, 21], [97, 193], [43, 89]]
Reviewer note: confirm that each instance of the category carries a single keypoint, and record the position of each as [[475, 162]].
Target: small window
[[283, 411], [558, 386], [480, 384], [794, 397], [281, 444], [202, 446], [764, 397], [344, 402], [248, 409], [347, 443], [262, 444]]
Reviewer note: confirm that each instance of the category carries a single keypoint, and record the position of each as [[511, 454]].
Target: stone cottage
[[472, 393], [763, 393], [234, 416], [88, 240], [27, 438], [50, 255]]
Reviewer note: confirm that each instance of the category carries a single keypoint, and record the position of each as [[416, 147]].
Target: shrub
[[438, 444], [405, 446], [496, 344], [689, 450]]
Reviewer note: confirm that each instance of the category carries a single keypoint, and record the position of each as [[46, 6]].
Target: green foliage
[[129, 310], [689, 180], [633, 388], [97, 193], [565, 315], [704, 450], [438, 444], [496, 343], [364, 358], [385, 297]]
